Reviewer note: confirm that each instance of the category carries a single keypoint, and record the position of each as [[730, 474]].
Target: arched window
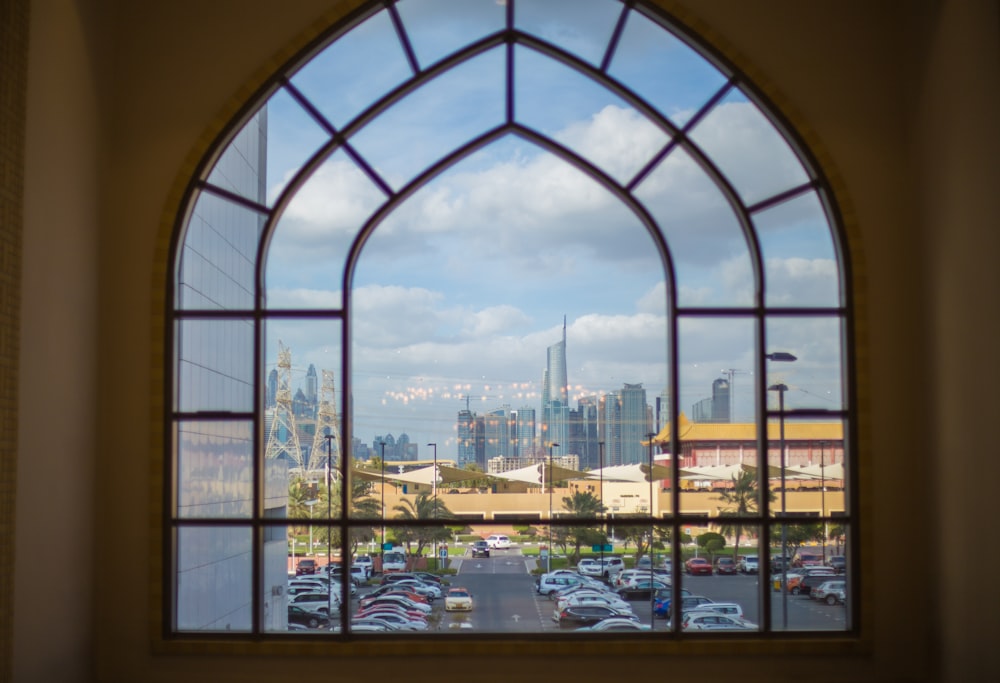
[[471, 271]]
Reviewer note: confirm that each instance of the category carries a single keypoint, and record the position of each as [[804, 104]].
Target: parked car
[[748, 564], [794, 578], [711, 621], [585, 598], [813, 579], [661, 604], [643, 589], [549, 583], [730, 609], [725, 565], [607, 567], [316, 602], [838, 563], [401, 622], [585, 615], [480, 549], [644, 562], [367, 563], [498, 541], [698, 566], [829, 591], [616, 624], [458, 599], [303, 617], [807, 558], [589, 566], [306, 566]]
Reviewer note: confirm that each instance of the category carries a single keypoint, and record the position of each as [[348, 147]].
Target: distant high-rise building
[[272, 388], [634, 423], [466, 438], [716, 408], [497, 434], [555, 398], [312, 384], [583, 432], [525, 432], [611, 426]]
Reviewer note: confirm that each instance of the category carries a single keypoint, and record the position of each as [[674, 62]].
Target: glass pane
[[301, 593], [214, 591], [355, 71], [811, 453], [719, 579], [711, 259], [468, 321], [800, 266], [214, 469], [293, 136], [585, 31], [748, 149], [437, 28], [808, 566], [303, 407], [663, 70], [814, 380], [588, 119], [219, 255], [214, 365], [241, 168], [309, 245], [443, 115]]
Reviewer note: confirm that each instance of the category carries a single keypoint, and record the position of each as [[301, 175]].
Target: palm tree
[[424, 506], [741, 501], [581, 504]]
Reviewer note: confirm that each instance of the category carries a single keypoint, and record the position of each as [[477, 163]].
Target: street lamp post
[[600, 456], [548, 564], [781, 388], [434, 489], [329, 517], [309, 504], [382, 543]]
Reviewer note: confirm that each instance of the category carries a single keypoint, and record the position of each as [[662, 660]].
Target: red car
[[698, 565]]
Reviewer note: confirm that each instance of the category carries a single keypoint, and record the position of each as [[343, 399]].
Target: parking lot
[[505, 599]]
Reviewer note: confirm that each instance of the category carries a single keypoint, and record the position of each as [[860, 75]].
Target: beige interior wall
[[122, 93]]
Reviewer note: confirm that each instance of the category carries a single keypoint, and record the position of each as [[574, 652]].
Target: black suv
[[480, 549], [305, 566]]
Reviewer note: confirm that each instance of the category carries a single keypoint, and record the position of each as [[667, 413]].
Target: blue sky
[[463, 286]]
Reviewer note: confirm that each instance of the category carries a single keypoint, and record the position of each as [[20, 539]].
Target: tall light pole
[[382, 543], [548, 473], [781, 388], [435, 491], [329, 529], [310, 504], [600, 456]]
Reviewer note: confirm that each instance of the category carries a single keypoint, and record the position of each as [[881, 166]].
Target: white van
[[498, 541], [730, 609]]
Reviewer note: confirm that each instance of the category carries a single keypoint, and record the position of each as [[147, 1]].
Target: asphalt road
[[505, 600]]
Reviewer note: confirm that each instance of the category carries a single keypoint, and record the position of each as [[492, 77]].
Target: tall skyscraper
[[466, 438], [312, 384], [555, 398], [634, 423], [525, 432]]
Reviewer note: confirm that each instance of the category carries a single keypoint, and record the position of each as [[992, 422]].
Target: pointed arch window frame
[[507, 39]]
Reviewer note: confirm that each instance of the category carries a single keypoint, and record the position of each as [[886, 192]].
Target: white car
[[586, 598], [316, 602], [366, 563], [498, 541], [616, 624], [748, 565], [458, 599], [428, 590], [712, 621]]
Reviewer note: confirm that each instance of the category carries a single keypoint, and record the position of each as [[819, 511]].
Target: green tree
[[740, 501], [712, 543], [580, 504], [423, 506]]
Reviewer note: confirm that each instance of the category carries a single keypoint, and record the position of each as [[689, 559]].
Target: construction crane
[[327, 422], [284, 434]]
